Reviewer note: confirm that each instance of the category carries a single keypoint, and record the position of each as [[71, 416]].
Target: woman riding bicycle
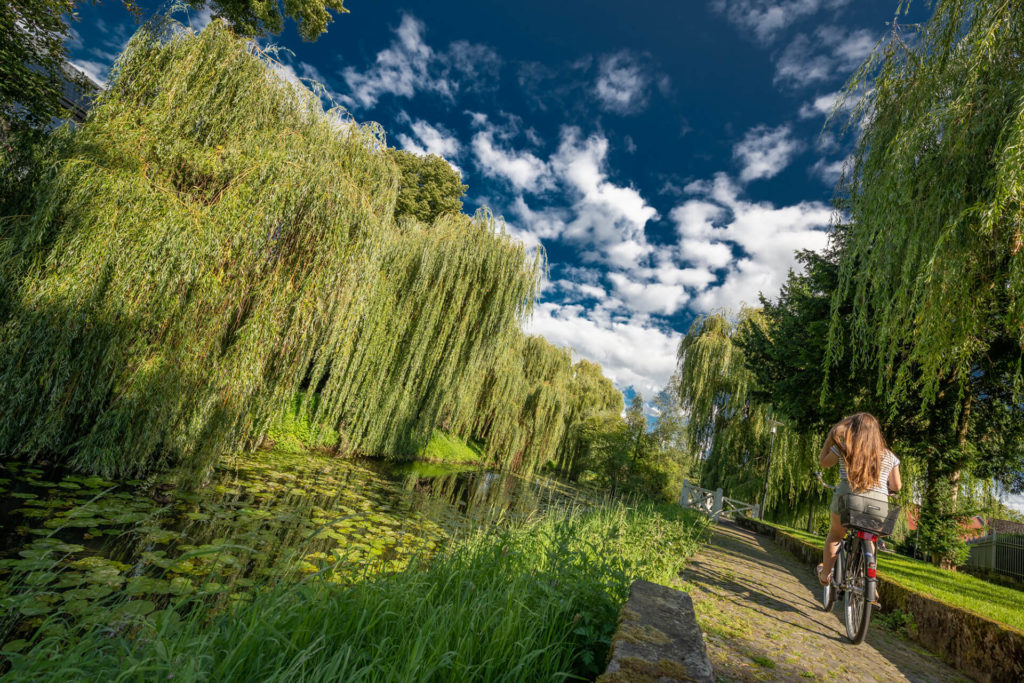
[[866, 467]]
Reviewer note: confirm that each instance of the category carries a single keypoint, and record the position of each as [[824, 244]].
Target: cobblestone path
[[762, 620]]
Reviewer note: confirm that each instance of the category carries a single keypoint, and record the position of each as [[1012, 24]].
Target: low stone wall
[[982, 648], [657, 639]]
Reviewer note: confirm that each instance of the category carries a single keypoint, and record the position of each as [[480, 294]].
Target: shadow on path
[[762, 619]]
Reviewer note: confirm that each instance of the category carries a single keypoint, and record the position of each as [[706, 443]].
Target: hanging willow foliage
[[729, 429], [441, 300], [186, 259], [212, 243], [592, 394], [932, 257]]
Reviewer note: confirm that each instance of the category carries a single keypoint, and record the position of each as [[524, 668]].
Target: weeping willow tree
[[931, 255], [730, 429], [186, 259], [443, 298], [214, 242], [592, 394]]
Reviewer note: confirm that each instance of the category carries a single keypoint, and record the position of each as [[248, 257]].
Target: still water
[[69, 541]]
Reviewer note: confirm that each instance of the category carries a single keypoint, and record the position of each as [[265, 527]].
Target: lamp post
[[768, 471]]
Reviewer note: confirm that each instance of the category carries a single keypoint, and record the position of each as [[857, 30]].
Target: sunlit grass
[[999, 603], [534, 601], [445, 448]]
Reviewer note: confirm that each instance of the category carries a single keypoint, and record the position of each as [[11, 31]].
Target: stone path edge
[[980, 647]]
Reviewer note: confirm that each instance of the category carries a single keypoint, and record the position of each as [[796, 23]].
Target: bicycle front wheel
[[856, 608]]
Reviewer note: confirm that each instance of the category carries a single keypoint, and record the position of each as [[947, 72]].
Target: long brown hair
[[860, 439]]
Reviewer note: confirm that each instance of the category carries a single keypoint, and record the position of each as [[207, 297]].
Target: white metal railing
[[713, 503], [1001, 553]]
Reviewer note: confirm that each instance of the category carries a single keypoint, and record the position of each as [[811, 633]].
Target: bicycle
[[854, 575]]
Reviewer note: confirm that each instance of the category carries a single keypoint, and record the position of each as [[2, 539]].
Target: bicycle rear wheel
[[856, 608]]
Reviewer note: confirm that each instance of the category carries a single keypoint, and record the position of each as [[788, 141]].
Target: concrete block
[[658, 639]]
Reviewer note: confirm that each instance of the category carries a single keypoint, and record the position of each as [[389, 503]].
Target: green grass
[[999, 603], [292, 432], [536, 601], [447, 449]]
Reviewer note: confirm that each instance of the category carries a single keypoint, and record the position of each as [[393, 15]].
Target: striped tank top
[[889, 461]]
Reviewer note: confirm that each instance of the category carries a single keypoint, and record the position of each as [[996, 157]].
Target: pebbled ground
[[762, 619]]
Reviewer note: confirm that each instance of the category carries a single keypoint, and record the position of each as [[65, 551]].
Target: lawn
[[1005, 605]]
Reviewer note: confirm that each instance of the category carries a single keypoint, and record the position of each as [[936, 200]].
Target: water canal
[[76, 540]]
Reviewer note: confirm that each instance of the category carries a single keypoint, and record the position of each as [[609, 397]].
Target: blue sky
[[668, 156]]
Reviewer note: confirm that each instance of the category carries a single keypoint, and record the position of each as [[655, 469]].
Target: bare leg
[[835, 535]]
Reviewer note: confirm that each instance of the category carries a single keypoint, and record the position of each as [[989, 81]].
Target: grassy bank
[[537, 601], [1002, 604], [445, 449]]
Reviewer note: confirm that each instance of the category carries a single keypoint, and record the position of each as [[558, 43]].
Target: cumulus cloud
[[606, 214], [521, 169], [648, 297], [633, 352], [622, 84], [765, 151], [430, 139], [829, 171], [94, 71], [760, 238], [410, 66], [764, 19], [828, 53]]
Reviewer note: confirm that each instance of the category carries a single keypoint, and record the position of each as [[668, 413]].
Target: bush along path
[[762, 619]]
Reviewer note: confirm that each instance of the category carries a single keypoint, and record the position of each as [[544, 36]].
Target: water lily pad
[[146, 585], [136, 607], [93, 592], [95, 562], [162, 535], [15, 646]]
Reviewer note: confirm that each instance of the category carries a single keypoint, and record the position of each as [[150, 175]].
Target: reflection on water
[[72, 540]]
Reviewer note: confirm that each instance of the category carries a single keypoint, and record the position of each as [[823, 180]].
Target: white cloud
[[430, 139], [606, 214], [766, 18], [829, 171], [823, 105], [96, 72], [648, 297], [410, 66], [754, 242], [831, 52], [523, 170], [402, 69], [200, 20], [622, 84], [632, 352], [765, 151]]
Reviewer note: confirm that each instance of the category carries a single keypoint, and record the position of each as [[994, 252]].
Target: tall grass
[[534, 601]]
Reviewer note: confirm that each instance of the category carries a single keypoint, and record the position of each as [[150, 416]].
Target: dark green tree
[[930, 258], [428, 186], [260, 17]]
